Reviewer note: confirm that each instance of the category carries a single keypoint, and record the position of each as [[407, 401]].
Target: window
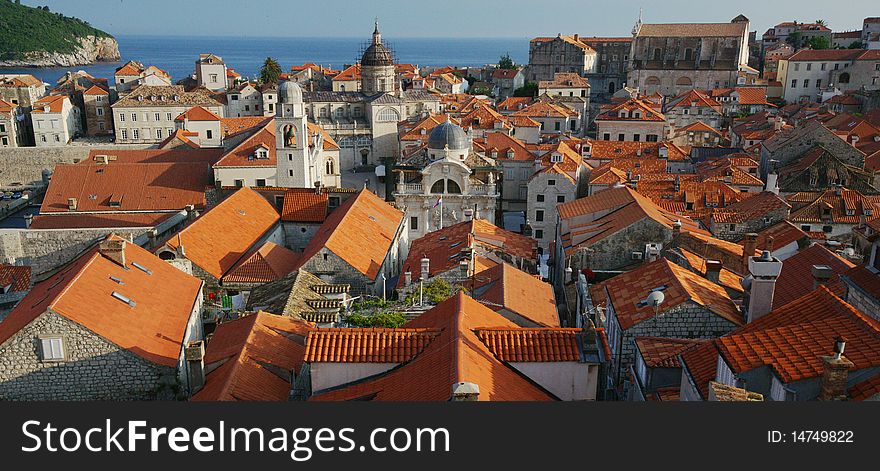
[[551, 182], [606, 137], [636, 137], [43, 138], [261, 182], [101, 126], [809, 66], [388, 115], [134, 117], [214, 77], [539, 215], [158, 117], [651, 138], [794, 83], [99, 99], [52, 348], [158, 134], [290, 173], [823, 66], [135, 134], [539, 198], [539, 234], [414, 223], [818, 83], [57, 138], [556, 126], [797, 67], [2, 127], [168, 116], [827, 229], [732, 228], [621, 137], [122, 117], [560, 198], [234, 97], [806, 83], [209, 134], [239, 183], [805, 227], [99, 111], [123, 134], [556, 157]]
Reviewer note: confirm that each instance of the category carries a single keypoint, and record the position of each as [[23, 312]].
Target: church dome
[[448, 134], [290, 92], [377, 54]]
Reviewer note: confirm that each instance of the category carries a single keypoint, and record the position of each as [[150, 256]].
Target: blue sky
[[444, 18]]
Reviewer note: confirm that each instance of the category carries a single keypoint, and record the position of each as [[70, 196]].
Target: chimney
[[28, 220], [407, 278], [764, 271], [191, 213], [113, 249], [750, 244], [713, 270], [676, 184], [195, 362], [835, 369], [769, 244], [772, 185], [426, 269], [676, 228], [71, 204], [465, 392], [821, 275]]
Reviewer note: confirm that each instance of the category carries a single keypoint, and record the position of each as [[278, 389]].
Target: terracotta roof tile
[[75, 220], [360, 232], [532, 345], [153, 327], [197, 113], [796, 278], [626, 292], [245, 153], [250, 351], [218, 238], [456, 355], [661, 352], [304, 205], [865, 389], [266, 264], [362, 345], [15, 278], [504, 287]]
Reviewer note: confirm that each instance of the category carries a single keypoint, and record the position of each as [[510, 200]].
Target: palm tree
[[821, 23]]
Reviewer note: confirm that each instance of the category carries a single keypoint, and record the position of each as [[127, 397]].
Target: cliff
[[38, 37]]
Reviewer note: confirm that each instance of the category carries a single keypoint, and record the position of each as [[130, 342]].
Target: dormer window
[[152, 97], [176, 97], [261, 154], [555, 158]]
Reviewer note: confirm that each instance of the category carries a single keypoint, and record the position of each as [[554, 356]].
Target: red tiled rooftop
[[366, 345]]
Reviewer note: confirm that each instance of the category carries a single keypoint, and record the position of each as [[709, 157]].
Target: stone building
[[602, 61], [13, 125], [659, 299], [21, 89], [111, 325], [613, 63], [361, 244], [133, 74], [633, 120], [97, 111], [457, 253], [559, 176], [812, 72], [55, 120], [446, 183], [672, 58], [211, 72], [364, 121], [749, 215], [517, 165], [146, 114], [690, 107]]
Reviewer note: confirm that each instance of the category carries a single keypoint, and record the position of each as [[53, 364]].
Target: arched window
[[652, 80], [388, 115], [437, 187], [844, 78], [330, 167], [684, 82], [611, 89], [452, 187]]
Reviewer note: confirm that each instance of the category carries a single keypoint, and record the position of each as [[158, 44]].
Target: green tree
[[821, 23], [857, 45], [433, 292], [505, 62], [796, 39], [386, 319], [529, 89], [270, 72], [819, 42]]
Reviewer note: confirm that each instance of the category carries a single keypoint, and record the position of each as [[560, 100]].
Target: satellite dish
[[655, 298]]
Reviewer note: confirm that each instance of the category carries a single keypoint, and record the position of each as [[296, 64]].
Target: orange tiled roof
[[360, 232], [15, 277], [121, 187], [153, 327], [793, 338], [304, 205], [129, 68], [847, 207], [218, 238], [95, 90], [750, 209], [74, 220], [545, 109], [661, 352], [514, 103], [622, 112], [628, 290], [251, 352], [264, 265], [245, 153], [796, 278], [783, 233], [726, 277], [612, 150], [504, 146], [365, 345], [443, 247], [456, 355], [694, 97], [197, 113], [532, 345], [55, 103], [349, 74], [865, 389], [504, 286]]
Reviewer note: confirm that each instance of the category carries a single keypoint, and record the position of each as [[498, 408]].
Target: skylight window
[[142, 268]]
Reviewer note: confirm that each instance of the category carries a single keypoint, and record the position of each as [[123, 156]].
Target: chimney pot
[[465, 391], [713, 270], [821, 274], [426, 269], [764, 271], [835, 370]]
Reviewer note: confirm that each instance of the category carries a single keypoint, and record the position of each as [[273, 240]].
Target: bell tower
[[295, 168]]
